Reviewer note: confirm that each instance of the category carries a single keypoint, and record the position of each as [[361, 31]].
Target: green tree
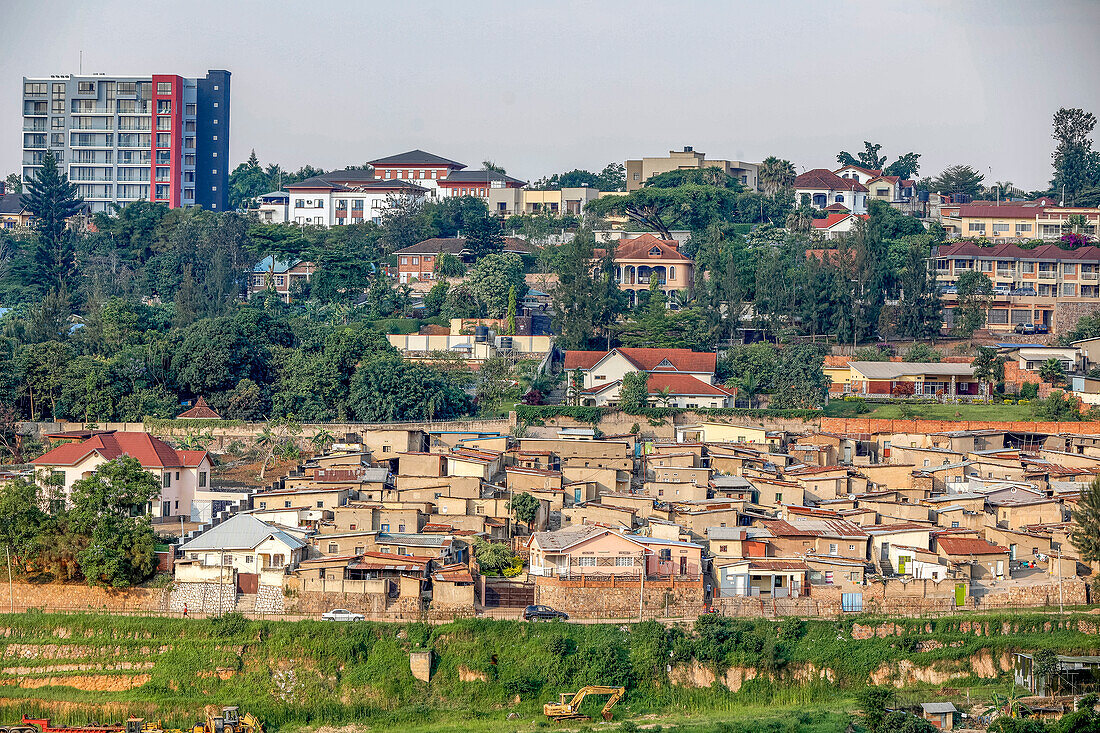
[[989, 366], [110, 509], [484, 236], [873, 700], [1052, 371], [512, 311], [494, 277], [612, 178], [800, 381], [525, 507], [1058, 407], [922, 354], [634, 392], [573, 297], [386, 388], [436, 299], [776, 173], [919, 313], [1076, 164], [449, 265], [277, 433], [906, 166], [496, 390], [958, 179], [975, 291], [493, 557], [867, 158], [24, 520], [52, 199]]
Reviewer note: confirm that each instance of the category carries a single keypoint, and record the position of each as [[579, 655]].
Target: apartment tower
[[120, 139]]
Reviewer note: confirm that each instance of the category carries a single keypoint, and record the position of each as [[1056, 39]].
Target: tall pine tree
[[52, 199]]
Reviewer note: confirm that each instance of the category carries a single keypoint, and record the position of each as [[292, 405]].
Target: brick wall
[[618, 598], [66, 597], [877, 425]]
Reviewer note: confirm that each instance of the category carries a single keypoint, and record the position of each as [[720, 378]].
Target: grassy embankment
[[961, 411], [299, 676]]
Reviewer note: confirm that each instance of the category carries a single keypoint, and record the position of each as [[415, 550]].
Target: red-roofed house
[[688, 376], [640, 259], [181, 473], [983, 558], [821, 187], [834, 224]]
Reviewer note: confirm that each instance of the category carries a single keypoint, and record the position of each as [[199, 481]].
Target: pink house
[[592, 550], [181, 473]]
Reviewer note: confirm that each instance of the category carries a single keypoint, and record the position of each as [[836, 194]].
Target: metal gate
[[851, 602], [247, 583]]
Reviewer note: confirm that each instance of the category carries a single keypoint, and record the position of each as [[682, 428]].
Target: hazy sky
[[543, 87]]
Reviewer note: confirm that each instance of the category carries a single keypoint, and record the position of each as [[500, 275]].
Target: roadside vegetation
[[305, 674]]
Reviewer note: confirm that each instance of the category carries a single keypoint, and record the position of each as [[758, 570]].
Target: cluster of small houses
[[712, 513]]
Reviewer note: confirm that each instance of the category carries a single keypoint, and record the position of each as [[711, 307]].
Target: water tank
[[481, 333], [506, 342]]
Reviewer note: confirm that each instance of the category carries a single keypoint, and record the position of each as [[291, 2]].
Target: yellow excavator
[[567, 709]]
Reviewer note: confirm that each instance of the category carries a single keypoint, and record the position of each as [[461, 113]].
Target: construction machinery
[[229, 720], [569, 709]]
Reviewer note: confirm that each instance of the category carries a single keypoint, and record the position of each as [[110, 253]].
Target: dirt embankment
[[901, 673]]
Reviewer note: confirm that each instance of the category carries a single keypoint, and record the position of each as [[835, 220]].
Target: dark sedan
[[543, 613]]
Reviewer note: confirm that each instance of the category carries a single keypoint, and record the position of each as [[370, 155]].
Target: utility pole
[[11, 592], [1061, 607]]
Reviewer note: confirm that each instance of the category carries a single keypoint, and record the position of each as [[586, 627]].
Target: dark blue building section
[[212, 141]]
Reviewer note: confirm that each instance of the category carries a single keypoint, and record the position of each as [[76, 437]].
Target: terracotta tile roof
[[836, 207], [969, 546], [1014, 251], [582, 359], [831, 221], [201, 410], [825, 180], [639, 248], [684, 384], [457, 245], [681, 360], [150, 451]]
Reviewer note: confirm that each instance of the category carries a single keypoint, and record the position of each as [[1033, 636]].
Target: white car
[[342, 614]]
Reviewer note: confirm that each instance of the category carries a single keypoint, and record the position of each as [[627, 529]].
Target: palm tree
[[776, 173], [664, 396], [749, 385], [800, 220]]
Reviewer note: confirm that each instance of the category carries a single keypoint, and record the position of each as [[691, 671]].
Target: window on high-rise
[[164, 87], [85, 87], [164, 123], [164, 106], [191, 109]]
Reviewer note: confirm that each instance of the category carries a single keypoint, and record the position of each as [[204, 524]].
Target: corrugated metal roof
[[240, 532]]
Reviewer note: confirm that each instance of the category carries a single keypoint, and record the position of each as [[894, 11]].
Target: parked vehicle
[[342, 614], [543, 613], [1025, 328], [1024, 291], [1042, 328]]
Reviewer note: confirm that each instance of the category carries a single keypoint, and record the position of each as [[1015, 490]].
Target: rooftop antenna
[[80, 64]]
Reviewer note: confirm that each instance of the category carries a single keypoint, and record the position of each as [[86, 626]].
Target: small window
[[286, 504], [587, 562], [164, 87], [333, 547]]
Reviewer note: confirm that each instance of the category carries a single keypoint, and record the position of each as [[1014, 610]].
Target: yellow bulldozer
[[569, 709]]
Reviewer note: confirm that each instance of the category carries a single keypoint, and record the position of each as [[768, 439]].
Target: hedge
[[538, 413]]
